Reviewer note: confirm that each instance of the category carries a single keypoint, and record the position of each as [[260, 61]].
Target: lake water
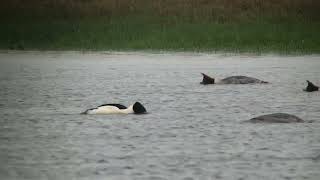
[[192, 132]]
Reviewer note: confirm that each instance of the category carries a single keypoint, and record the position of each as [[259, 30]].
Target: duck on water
[[231, 80], [136, 108]]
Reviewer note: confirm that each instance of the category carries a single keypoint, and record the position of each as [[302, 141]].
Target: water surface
[[191, 132]]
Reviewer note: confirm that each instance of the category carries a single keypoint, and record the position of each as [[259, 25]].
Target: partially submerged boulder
[[207, 79], [311, 87], [231, 80], [241, 80], [276, 118]]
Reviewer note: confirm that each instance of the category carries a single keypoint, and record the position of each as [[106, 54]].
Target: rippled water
[[191, 131]]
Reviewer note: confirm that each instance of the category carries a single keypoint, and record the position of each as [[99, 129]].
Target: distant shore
[[293, 28]]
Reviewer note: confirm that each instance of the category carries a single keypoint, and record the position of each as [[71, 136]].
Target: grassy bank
[[136, 35], [180, 25]]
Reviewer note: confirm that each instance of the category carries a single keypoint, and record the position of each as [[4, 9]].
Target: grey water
[[192, 132]]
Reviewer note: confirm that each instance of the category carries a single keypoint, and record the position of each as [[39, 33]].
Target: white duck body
[[136, 108], [110, 110]]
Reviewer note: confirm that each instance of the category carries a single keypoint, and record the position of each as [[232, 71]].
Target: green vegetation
[[288, 26]]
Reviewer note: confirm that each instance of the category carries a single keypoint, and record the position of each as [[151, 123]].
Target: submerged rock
[[276, 118], [241, 80], [231, 80]]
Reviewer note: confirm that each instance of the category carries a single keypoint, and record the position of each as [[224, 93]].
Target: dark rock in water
[[276, 118], [311, 87], [207, 79]]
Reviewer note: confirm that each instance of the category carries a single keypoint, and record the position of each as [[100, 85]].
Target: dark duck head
[[138, 108]]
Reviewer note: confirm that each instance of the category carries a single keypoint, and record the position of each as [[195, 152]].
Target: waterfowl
[[136, 108]]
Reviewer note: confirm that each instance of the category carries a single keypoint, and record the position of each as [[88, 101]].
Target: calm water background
[[191, 131]]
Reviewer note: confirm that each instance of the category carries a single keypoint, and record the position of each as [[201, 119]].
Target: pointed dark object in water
[[207, 79], [311, 87]]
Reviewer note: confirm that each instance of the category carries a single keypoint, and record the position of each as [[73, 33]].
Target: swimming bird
[[231, 80], [276, 118], [311, 87], [136, 108]]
